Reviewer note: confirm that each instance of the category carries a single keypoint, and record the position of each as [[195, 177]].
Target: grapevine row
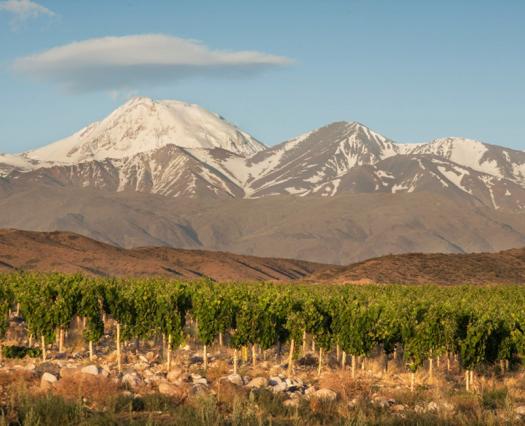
[[479, 325]]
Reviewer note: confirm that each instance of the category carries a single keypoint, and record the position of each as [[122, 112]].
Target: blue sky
[[412, 70]]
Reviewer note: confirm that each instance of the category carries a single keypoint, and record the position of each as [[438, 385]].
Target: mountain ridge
[[177, 149], [336, 194]]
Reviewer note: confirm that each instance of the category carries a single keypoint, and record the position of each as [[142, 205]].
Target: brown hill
[[505, 267], [71, 253], [343, 229]]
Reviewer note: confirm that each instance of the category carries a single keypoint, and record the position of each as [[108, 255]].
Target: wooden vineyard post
[[61, 340], [290, 358], [168, 349], [205, 357], [304, 343], [119, 361], [43, 340]]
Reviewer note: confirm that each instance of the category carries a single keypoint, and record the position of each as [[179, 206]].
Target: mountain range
[[174, 174]]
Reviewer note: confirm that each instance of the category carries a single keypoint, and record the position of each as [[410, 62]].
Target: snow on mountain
[[176, 149], [300, 165], [143, 125], [170, 171], [9, 162], [490, 159]]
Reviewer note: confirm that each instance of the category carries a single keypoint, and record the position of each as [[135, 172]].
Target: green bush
[[18, 352]]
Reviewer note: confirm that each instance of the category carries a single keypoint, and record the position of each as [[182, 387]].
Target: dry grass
[[227, 393], [347, 388], [100, 392], [217, 370]]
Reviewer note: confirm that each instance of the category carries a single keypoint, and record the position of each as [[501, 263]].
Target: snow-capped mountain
[[169, 171], [489, 159], [301, 165], [175, 149], [143, 125]]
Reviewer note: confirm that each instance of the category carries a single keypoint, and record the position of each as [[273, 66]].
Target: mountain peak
[[143, 124], [138, 100]]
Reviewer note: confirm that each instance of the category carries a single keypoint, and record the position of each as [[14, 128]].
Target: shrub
[[18, 352]]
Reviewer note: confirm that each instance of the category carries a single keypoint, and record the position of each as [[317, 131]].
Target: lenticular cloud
[[111, 63]]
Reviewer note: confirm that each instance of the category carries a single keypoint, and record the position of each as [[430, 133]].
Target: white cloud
[[114, 63], [23, 10]]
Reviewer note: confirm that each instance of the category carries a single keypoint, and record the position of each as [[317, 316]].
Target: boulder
[[90, 369], [310, 390], [257, 382], [398, 408], [381, 401], [236, 379], [325, 394], [48, 367], [197, 379], [280, 387], [294, 382], [66, 372], [151, 356], [172, 391], [131, 379], [520, 410], [432, 406], [47, 381], [196, 359], [174, 374], [275, 380], [48, 377], [156, 379]]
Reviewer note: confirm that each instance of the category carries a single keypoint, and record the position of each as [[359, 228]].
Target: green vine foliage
[[6, 301], [90, 306], [480, 324], [354, 325]]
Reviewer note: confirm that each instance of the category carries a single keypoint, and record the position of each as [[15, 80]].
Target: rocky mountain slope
[[339, 230], [177, 149], [173, 174]]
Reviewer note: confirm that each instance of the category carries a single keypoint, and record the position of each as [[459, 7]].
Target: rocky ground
[[373, 397]]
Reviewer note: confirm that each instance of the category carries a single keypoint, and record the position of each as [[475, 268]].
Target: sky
[[411, 70]]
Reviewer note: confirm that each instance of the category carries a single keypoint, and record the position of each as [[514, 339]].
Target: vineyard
[[474, 329]]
